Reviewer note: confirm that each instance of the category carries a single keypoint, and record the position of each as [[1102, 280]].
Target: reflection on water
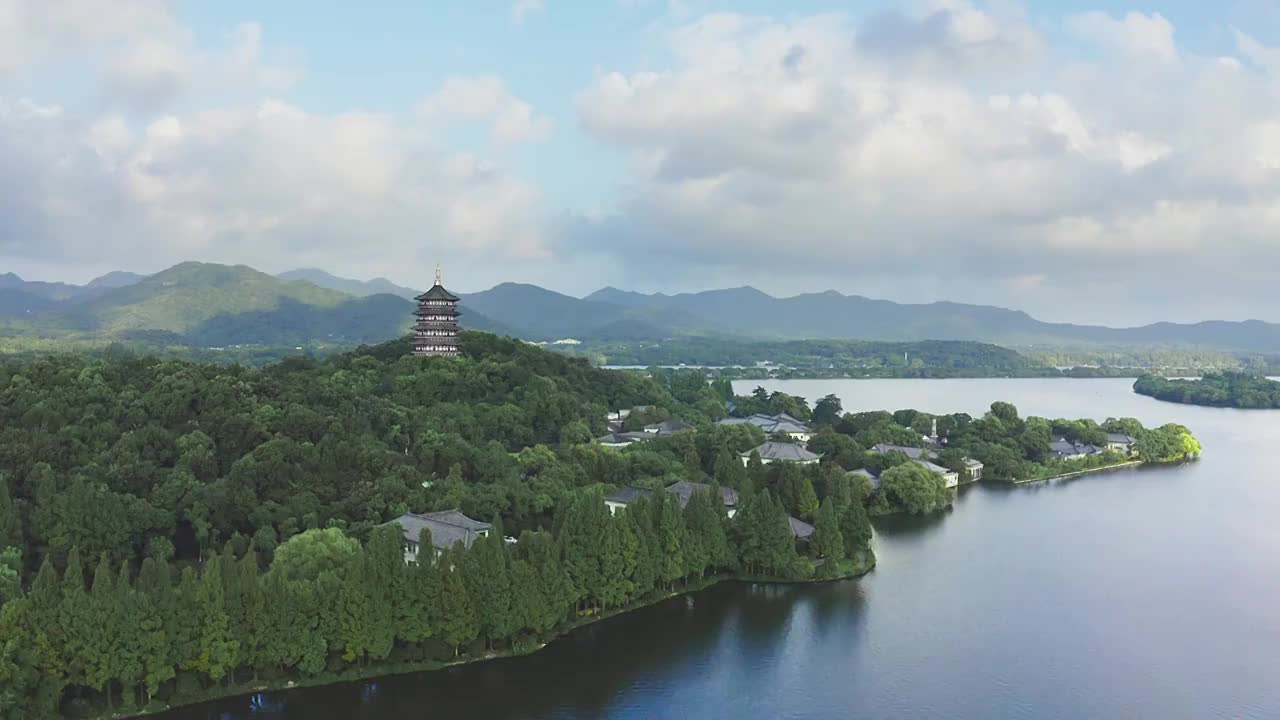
[[1146, 592]]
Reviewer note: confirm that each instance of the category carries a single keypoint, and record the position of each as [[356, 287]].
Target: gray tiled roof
[[787, 452], [914, 453], [800, 528], [437, 293], [627, 494], [1120, 438], [863, 472], [447, 528], [685, 489], [623, 437], [667, 427], [934, 468], [769, 423], [1062, 447]]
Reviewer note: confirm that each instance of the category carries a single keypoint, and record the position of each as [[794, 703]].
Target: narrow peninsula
[[1218, 389]]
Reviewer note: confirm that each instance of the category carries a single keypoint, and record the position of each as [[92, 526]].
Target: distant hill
[[372, 319], [216, 304], [114, 279], [210, 305], [543, 314], [46, 290], [748, 312], [359, 288], [623, 298], [185, 296]]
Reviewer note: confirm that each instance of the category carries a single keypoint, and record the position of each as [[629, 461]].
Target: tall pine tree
[[828, 543]]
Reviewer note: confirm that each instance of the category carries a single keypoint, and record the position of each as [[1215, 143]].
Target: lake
[[1151, 592]]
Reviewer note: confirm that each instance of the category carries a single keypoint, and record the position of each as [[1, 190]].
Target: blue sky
[[1085, 160], [374, 59]]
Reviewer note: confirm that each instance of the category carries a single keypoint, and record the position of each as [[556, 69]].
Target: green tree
[[827, 410], [914, 489], [669, 531], [855, 529], [729, 471], [355, 608], [103, 635], [827, 541], [795, 489], [10, 574], [306, 555], [487, 575], [459, 623], [217, 648], [10, 522], [704, 518]]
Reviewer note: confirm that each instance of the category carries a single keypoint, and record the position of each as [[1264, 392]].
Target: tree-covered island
[[172, 531], [1217, 389]]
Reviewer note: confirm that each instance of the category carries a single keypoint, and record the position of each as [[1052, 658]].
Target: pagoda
[[436, 331]]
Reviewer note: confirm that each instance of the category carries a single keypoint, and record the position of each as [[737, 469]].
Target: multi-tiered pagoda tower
[[436, 331]]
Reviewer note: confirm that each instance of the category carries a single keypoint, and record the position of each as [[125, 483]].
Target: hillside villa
[[616, 438], [448, 528], [772, 451], [950, 477], [1063, 449], [1120, 442], [623, 497], [616, 418], [682, 491], [781, 424], [973, 468], [622, 439], [667, 427]]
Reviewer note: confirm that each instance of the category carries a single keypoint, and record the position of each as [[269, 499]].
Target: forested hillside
[[171, 530]]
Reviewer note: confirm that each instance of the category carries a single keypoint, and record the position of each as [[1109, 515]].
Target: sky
[[1093, 161]]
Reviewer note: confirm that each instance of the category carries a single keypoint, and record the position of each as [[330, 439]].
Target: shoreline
[[354, 675], [1077, 473]]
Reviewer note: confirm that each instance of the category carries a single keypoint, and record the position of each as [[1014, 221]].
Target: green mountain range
[[359, 288], [207, 305], [210, 305]]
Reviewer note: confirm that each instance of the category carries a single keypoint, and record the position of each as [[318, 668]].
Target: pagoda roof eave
[[437, 292]]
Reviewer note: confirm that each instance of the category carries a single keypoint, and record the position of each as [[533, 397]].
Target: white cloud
[[272, 183], [794, 146], [1136, 34], [1268, 58], [485, 97], [33, 30], [521, 9], [233, 172], [149, 73]]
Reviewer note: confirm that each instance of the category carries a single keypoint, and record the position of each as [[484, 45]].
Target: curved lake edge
[[854, 571]]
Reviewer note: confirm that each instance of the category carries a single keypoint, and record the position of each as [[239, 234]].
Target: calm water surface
[[1149, 593]]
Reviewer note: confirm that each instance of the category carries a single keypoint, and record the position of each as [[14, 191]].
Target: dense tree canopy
[[1220, 389], [168, 528]]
